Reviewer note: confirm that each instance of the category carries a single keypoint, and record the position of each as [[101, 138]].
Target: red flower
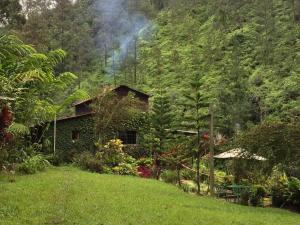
[[144, 171], [8, 137], [206, 136], [6, 117]]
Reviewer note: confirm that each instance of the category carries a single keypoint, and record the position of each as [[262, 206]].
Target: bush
[[169, 176], [188, 174], [125, 169], [257, 194], [145, 162], [278, 185], [33, 164], [88, 161], [293, 192], [144, 171], [145, 167], [112, 153], [136, 151], [55, 160], [189, 186]]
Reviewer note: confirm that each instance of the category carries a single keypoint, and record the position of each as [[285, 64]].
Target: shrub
[[55, 160], [257, 194], [136, 151], [88, 161], [33, 164], [169, 176], [293, 192], [286, 194], [278, 185], [145, 162], [144, 171], [144, 167], [189, 186], [112, 153], [125, 169], [188, 174]]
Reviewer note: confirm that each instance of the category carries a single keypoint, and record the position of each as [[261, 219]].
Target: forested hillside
[[246, 52]]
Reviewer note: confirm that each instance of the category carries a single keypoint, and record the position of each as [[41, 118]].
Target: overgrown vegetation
[[229, 65]]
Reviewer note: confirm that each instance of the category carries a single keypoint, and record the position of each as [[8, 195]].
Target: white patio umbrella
[[239, 153]]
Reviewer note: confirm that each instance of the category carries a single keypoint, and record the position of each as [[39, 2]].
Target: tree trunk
[[211, 154], [198, 172], [178, 174], [135, 61]]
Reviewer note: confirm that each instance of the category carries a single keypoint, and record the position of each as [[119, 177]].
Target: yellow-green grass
[[67, 195]]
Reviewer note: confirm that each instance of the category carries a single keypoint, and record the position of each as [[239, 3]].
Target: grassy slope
[[69, 196]]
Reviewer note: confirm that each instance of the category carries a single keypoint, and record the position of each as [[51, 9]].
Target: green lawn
[[69, 196]]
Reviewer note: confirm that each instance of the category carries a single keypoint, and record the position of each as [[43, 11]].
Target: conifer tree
[[161, 121], [195, 114]]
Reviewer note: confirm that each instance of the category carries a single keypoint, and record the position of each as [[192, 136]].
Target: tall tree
[[161, 121], [195, 114]]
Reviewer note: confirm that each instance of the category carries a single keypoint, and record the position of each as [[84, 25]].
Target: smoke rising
[[121, 24]]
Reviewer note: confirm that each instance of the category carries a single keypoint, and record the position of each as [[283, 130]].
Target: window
[[128, 137], [75, 135]]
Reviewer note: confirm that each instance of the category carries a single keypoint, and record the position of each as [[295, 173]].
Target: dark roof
[[114, 89], [74, 117]]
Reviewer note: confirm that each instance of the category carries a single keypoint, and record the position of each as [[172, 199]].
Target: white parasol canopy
[[239, 153]]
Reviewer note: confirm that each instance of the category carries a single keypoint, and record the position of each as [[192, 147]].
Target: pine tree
[[195, 114], [161, 121]]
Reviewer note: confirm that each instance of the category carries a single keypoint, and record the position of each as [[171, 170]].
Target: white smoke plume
[[121, 25]]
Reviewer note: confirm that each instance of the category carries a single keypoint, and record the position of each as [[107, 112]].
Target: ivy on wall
[[66, 147]]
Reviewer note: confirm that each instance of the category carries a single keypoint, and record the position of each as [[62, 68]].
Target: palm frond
[[18, 129]]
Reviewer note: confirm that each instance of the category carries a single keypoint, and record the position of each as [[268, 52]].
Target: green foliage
[[88, 161], [169, 176], [125, 169], [188, 174], [30, 78], [189, 186], [285, 191], [18, 129], [112, 153], [33, 164], [11, 13], [246, 52], [66, 147], [257, 194], [108, 159], [114, 114], [293, 194], [276, 141], [137, 151], [161, 118], [144, 162]]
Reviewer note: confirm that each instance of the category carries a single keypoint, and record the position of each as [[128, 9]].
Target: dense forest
[[228, 65], [245, 52]]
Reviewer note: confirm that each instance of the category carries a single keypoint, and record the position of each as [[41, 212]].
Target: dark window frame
[[128, 137], [75, 135]]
